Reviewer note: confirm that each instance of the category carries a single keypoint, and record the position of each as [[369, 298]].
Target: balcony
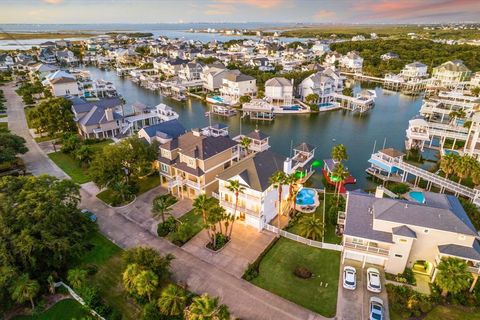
[[366, 248], [230, 205]]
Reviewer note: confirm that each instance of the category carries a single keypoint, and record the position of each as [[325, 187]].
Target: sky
[[175, 11]]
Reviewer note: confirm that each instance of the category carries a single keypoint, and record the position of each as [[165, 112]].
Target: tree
[[10, 146], [146, 282], [173, 300], [41, 227], [70, 142], [312, 98], [291, 180], [162, 205], [84, 155], [278, 180], [311, 227], [201, 204], [53, 116], [25, 289], [448, 163], [235, 187], [456, 114], [475, 91], [129, 276], [453, 276], [77, 278], [339, 153], [339, 173], [206, 308], [245, 143], [148, 258], [463, 167], [245, 99], [347, 91]]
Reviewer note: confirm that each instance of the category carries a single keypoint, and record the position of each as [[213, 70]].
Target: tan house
[[451, 73], [190, 163], [397, 233]]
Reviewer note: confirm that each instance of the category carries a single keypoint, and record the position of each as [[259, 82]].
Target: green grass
[[453, 313], [3, 115], [62, 310], [276, 275], [71, 166], [48, 138], [195, 220], [102, 250], [144, 185], [3, 125]]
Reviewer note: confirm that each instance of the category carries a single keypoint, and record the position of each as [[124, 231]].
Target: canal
[[386, 122]]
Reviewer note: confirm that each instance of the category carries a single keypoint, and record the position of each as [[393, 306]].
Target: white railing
[[361, 247], [78, 298], [309, 242], [239, 208]]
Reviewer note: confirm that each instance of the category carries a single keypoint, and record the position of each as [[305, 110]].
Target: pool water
[[218, 98], [325, 105], [306, 196], [417, 196]]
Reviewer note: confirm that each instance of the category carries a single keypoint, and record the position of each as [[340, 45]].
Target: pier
[[393, 82], [363, 102]]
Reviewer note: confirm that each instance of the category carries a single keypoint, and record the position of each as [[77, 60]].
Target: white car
[[376, 309], [373, 280], [349, 278]]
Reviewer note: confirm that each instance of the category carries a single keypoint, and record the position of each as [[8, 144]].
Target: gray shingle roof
[[404, 231], [278, 82], [256, 170], [305, 147], [456, 250], [257, 135], [81, 106], [173, 129]]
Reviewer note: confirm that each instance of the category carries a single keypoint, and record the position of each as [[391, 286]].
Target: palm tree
[[206, 308], [339, 153], [129, 275], [123, 189], [146, 282], [311, 227], [475, 174], [463, 167], [291, 180], [245, 143], [172, 301], [84, 155], [453, 275], [25, 289], [448, 163], [278, 180], [455, 114], [311, 98], [235, 187], [201, 205], [340, 174], [162, 205], [77, 278]]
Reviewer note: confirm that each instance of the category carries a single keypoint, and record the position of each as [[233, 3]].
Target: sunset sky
[[313, 11]]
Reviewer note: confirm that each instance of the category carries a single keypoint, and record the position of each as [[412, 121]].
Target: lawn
[[195, 220], [145, 184], [101, 250], [65, 309], [71, 166], [276, 275], [3, 125], [3, 115], [453, 313]]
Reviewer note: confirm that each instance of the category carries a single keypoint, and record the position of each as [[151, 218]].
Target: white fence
[[78, 298], [312, 243]]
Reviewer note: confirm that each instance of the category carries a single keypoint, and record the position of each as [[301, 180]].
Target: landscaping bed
[[188, 226], [145, 184], [317, 293]]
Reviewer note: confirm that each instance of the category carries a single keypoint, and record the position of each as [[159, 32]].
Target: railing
[[474, 270], [309, 242], [78, 298], [239, 208], [366, 248]]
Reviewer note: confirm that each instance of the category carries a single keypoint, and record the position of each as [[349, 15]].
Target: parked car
[[90, 215], [349, 278], [376, 309], [373, 280]]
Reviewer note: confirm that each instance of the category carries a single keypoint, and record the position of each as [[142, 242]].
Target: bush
[[91, 269], [302, 273], [406, 277], [408, 302], [183, 233], [398, 188], [251, 272], [164, 228], [221, 241]]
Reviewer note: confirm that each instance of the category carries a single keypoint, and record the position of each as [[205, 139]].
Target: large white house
[[279, 90], [237, 84], [352, 61], [451, 73], [320, 84], [61, 84], [414, 70]]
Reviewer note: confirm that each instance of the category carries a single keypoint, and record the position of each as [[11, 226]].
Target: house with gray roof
[[279, 91], [162, 132], [257, 202], [451, 73], [396, 233]]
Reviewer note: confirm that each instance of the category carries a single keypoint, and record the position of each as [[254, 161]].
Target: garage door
[[354, 255], [375, 260]]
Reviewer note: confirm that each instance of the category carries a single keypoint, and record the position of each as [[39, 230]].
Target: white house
[[451, 73], [333, 57], [414, 70], [322, 84], [257, 203], [279, 90], [352, 61], [237, 84], [389, 56], [61, 84], [6, 62]]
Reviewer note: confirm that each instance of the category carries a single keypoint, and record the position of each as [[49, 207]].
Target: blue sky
[[171, 11]]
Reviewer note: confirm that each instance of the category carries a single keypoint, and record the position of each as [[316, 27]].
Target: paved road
[[244, 299]]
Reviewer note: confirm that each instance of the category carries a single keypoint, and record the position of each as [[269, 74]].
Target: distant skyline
[[270, 11]]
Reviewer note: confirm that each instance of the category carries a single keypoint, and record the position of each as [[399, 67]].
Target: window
[[398, 255], [403, 240], [191, 162], [163, 167], [357, 241]]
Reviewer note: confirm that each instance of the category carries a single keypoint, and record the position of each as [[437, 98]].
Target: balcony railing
[[366, 248], [474, 270], [239, 208]]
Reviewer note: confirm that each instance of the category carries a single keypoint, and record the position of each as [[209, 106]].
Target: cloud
[[53, 1], [324, 14], [217, 9], [262, 4]]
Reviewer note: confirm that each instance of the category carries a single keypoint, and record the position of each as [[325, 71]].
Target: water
[[386, 122]]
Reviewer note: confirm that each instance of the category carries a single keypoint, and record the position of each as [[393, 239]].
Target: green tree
[[448, 163], [463, 167], [70, 142], [245, 99], [84, 155], [206, 308], [10, 146], [235, 187], [453, 276], [77, 278], [25, 289], [347, 91], [53, 116], [162, 205], [311, 227], [149, 259], [129, 276], [312, 98], [278, 180], [245, 143], [201, 205], [146, 282], [173, 300], [339, 153], [291, 181]]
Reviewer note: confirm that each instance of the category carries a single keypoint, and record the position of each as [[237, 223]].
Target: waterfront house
[[162, 132], [47, 55], [414, 71], [333, 57], [475, 80], [259, 141], [212, 76], [396, 234], [279, 91], [257, 203], [61, 83], [191, 71], [320, 49], [319, 84], [41, 70], [66, 57], [97, 119], [352, 61], [263, 64], [6, 62], [236, 84], [451, 73], [190, 163]]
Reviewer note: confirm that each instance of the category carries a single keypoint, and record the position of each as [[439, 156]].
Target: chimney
[[287, 166], [109, 114], [379, 192]]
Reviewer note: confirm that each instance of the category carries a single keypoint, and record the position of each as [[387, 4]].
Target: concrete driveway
[[246, 245], [355, 304]]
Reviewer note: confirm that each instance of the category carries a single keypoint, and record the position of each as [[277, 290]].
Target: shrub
[[405, 300], [221, 241], [251, 272], [302, 273], [399, 188], [164, 228], [91, 269], [183, 233]]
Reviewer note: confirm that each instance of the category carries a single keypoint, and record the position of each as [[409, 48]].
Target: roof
[[170, 129], [305, 147], [404, 231], [278, 82], [454, 65], [472, 253], [392, 152], [416, 64], [97, 115], [256, 169], [62, 80], [257, 135], [238, 77], [103, 103]]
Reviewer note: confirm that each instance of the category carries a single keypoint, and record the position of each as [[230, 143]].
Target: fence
[[309, 242], [78, 298]]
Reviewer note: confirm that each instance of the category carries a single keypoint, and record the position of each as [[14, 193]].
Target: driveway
[[355, 304], [246, 245]]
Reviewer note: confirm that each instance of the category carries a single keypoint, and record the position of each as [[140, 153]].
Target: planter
[[219, 249]]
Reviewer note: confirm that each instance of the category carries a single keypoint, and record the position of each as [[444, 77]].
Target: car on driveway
[[349, 278], [373, 280], [376, 309], [90, 215]]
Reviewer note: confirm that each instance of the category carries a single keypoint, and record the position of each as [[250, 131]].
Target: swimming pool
[[417, 196], [294, 107], [325, 105], [306, 196]]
